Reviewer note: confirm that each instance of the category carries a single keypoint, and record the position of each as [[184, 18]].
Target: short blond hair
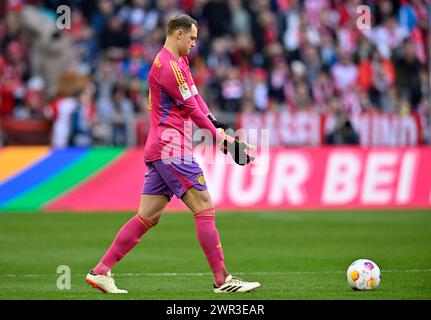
[[180, 21]]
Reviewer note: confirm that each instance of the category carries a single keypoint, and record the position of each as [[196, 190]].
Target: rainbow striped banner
[[34, 178], [100, 179]]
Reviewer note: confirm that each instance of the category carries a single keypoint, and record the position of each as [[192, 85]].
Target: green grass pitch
[[294, 255]]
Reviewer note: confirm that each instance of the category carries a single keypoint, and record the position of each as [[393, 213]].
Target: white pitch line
[[199, 274]]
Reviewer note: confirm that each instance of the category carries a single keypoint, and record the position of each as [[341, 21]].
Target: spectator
[[243, 52], [71, 86], [328, 50], [278, 76], [388, 36], [140, 18], [344, 73], [99, 17], [322, 89], [407, 17], [12, 76], [310, 56], [82, 119], [240, 18], [212, 11], [292, 22], [390, 101], [134, 65], [424, 110], [260, 89], [232, 91], [115, 36], [301, 101], [343, 134], [122, 118], [257, 29], [382, 78], [408, 70], [34, 99], [424, 79], [105, 78]]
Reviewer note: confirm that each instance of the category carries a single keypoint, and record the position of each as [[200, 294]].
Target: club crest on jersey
[[201, 179], [185, 91]]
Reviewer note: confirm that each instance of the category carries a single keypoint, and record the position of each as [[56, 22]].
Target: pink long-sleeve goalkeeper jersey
[[173, 101]]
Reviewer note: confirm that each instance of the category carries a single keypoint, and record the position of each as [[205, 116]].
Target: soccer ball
[[363, 274]]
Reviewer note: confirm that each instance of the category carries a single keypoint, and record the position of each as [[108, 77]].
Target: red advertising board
[[326, 178], [311, 128], [283, 178]]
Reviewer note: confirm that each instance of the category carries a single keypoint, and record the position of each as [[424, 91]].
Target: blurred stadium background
[[290, 64], [349, 115]]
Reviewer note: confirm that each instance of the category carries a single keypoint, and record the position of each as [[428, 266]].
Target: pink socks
[[209, 240], [128, 237]]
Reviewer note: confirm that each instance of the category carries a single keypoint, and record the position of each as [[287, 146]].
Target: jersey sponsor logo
[[185, 91], [194, 90]]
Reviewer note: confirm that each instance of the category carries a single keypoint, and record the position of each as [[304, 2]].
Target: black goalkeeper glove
[[218, 124], [237, 150]]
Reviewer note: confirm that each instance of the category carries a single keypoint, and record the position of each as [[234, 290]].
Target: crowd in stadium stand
[[90, 80]]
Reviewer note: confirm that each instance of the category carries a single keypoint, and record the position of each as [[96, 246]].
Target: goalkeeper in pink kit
[[172, 170]]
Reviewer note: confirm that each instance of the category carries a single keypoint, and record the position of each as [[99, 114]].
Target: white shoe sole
[[96, 286], [250, 289]]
